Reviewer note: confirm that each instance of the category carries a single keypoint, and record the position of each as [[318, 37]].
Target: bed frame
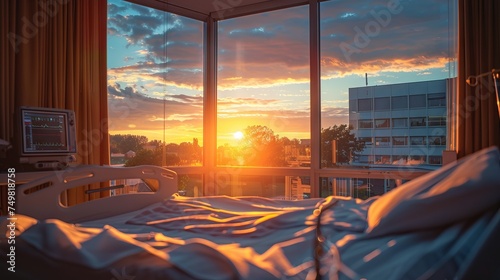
[[40, 198]]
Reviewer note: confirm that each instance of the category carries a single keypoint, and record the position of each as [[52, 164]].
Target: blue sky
[[263, 64]]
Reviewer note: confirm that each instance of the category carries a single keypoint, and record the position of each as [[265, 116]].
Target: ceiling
[[218, 9]]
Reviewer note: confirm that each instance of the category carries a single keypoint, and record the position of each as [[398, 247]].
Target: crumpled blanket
[[203, 238]]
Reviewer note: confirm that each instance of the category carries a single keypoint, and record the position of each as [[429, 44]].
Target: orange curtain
[[478, 123], [54, 55]]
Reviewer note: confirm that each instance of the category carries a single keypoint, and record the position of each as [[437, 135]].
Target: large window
[[377, 60], [155, 86], [263, 103]]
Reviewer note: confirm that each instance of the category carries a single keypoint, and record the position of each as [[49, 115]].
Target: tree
[[347, 145], [124, 143], [229, 155], [145, 157], [148, 157], [262, 147]]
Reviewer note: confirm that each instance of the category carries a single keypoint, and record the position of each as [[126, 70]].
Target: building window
[[353, 105], [363, 159], [382, 123], [417, 159], [436, 100], [399, 102], [399, 159], [400, 123], [416, 122], [365, 105], [418, 101], [418, 140], [437, 121], [382, 159], [400, 140], [437, 140], [365, 124], [382, 141], [382, 104], [353, 124], [435, 160], [366, 140]]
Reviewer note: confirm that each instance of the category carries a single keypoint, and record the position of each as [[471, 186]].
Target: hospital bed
[[443, 225]]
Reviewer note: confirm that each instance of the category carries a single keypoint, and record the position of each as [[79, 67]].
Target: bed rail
[[45, 203]]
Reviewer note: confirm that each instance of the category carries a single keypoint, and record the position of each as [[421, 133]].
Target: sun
[[238, 135]]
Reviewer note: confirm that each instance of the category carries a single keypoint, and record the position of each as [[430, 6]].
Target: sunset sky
[[155, 63]]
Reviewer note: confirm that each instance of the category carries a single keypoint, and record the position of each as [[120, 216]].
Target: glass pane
[[436, 100], [386, 60], [382, 123], [435, 160], [353, 106], [400, 141], [437, 140], [366, 140], [400, 123], [382, 159], [399, 102], [190, 185], [382, 104], [382, 141], [365, 124], [155, 86], [361, 188], [276, 187], [418, 121], [418, 140], [364, 105], [436, 121], [263, 102], [417, 101]]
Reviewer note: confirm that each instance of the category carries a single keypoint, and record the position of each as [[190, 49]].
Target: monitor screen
[[47, 132]]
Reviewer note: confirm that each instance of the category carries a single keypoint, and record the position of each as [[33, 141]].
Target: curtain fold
[[478, 124], [54, 55], [8, 67]]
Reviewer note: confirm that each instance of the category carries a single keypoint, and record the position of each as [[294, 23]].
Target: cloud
[[272, 48], [264, 55]]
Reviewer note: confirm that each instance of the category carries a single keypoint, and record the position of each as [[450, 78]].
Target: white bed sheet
[[236, 238]]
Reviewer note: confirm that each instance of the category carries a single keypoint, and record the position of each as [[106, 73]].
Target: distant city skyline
[[263, 76]]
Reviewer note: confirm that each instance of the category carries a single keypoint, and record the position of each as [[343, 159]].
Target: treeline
[[153, 152], [260, 146]]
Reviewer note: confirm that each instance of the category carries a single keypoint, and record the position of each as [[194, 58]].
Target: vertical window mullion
[[210, 107], [315, 90]]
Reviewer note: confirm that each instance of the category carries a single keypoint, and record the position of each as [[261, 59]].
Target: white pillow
[[454, 192]]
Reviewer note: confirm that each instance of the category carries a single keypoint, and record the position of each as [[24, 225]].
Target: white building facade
[[401, 124]]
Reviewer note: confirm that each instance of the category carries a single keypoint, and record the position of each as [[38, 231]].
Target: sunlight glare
[[238, 135]]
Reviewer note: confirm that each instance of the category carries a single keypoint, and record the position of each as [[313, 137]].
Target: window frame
[[210, 170]]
